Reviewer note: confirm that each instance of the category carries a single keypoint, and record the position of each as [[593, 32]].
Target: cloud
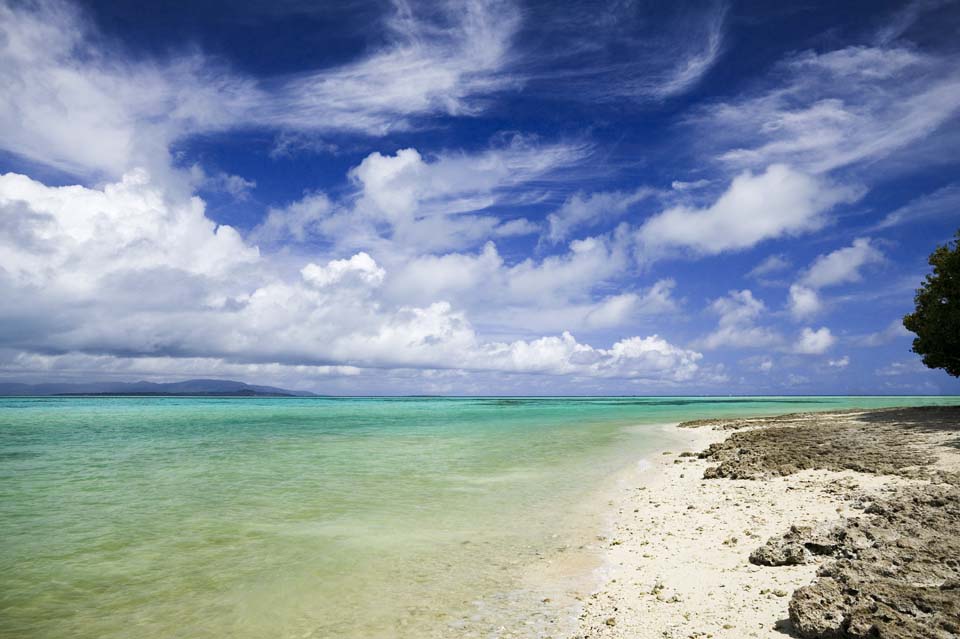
[[755, 207], [298, 221], [618, 50], [583, 211], [894, 330], [822, 111], [842, 362], [75, 237], [415, 204], [690, 69], [359, 270], [737, 325], [566, 291], [804, 302], [843, 265], [772, 264], [438, 60], [75, 102], [78, 261], [942, 203], [236, 186], [838, 267], [678, 185], [814, 342]]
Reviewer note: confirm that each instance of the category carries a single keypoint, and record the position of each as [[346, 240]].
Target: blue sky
[[476, 196]]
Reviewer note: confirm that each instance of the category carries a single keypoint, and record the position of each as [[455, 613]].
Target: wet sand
[[852, 519]]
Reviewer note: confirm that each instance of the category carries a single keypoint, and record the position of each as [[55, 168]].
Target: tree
[[936, 320]]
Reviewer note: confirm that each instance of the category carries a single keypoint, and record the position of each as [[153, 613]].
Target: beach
[[858, 509]]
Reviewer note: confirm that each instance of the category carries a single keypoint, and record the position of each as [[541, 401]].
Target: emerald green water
[[361, 517]]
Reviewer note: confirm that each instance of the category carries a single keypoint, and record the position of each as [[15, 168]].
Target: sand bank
[[863, 487]]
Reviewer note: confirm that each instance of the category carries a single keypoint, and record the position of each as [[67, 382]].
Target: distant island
[[188, 388]]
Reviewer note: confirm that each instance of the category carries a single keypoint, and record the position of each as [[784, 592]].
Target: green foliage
[[936, 320]]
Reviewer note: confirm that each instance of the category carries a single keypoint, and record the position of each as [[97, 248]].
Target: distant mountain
[[193, 387]]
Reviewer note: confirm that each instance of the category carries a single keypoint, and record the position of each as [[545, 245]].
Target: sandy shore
[[678, 555]]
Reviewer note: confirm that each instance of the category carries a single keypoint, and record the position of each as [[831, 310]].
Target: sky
[[476, 196]]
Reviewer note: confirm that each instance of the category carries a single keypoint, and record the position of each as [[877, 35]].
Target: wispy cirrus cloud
[[76, 102], [941, 203], [618, 51], [825, 110]]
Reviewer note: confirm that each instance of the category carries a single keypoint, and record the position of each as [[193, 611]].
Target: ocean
[[320, 517]]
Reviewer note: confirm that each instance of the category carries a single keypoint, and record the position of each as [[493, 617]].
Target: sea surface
[[315, 517]]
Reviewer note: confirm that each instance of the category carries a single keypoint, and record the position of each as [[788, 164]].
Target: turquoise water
[[360, 517]]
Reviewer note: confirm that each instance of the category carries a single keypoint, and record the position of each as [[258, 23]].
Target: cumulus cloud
[[804, 302], [843, 265], [781, 201], [814, 342], [85, 257], [75, 237], [737, 326], [838, 267], [841, 362], [565, 291], [416, 205]]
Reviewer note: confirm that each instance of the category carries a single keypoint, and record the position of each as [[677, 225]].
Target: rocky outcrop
[[896, 573], [892, 572], [828, 444], [799, 545]]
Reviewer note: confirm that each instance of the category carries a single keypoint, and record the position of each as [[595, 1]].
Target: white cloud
[[842, 362], [358, 270], [409, 204], [297, 221], [583, 211], [737, 325], [814, 342], [679, 185], [843, 265], [614, 51], [74, 102], [238, 187], [832, 109], [780, 201], [77, 107], [70, 238], [942, 203], [566, 291], [78, 260], [838, 267], [905, 367], [436, 63], [894, 330], [804, 302], [772, 264]]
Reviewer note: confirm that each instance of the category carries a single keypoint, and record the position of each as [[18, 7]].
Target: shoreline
[[677, 563]]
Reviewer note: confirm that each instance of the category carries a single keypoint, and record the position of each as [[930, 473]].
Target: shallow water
[[359, 517]]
